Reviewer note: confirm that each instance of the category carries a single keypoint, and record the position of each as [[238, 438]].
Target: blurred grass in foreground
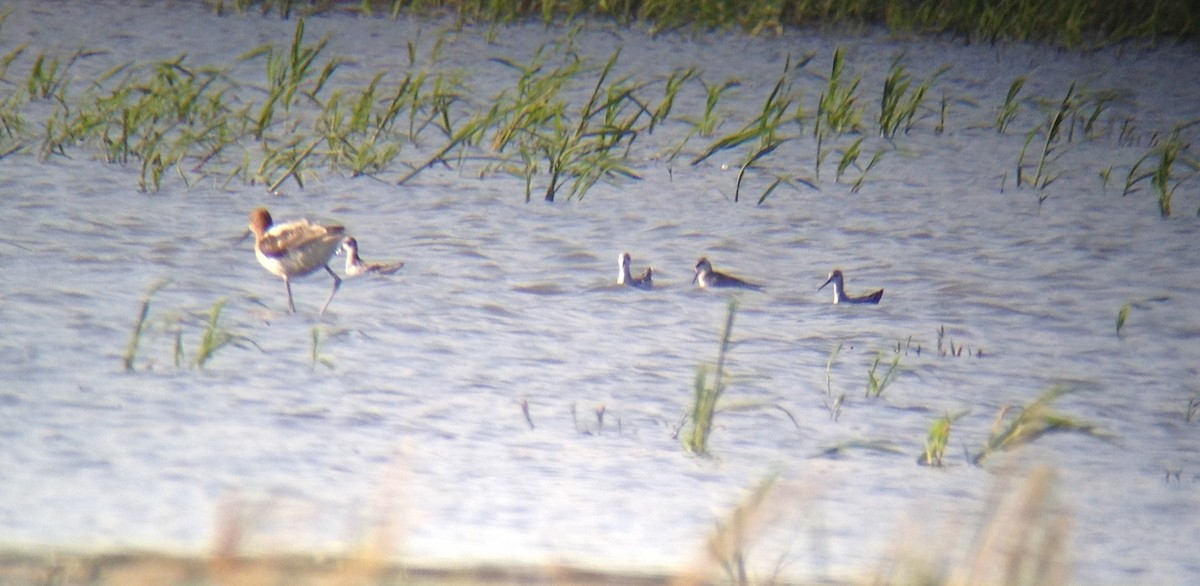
[[1020, 535]]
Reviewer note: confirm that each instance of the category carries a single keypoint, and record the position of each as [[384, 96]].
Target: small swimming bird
[[295, 249], [839, 290], [707, 277], [355, 265], [645, 281]]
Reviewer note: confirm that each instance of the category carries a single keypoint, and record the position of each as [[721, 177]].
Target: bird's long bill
[[245, 235], [696, 277], [825, 283]]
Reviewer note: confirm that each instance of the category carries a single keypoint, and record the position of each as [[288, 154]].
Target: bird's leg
[[337, 282], [288, 286]]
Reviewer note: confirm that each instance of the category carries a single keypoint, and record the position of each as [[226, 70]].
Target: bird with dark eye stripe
[[839, 290], [707, 277]]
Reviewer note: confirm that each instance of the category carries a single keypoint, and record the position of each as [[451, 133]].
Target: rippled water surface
[[416, 421]]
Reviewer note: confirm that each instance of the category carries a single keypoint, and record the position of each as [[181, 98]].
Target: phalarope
[[645, 281], [355, 265], [707, 277], [295, 249], [839, 290]]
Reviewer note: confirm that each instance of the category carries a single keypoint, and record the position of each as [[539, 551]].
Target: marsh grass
[[1162, 159], [767, 130], [214, 336], [1051, 133], [48, 76], [535, 132], [153, 115], [591, 149], [139, 325], [706, 123], [837, 109], [938, 438], [729, 544], [586, 428], [833, 404], [1068, 23], [1008, 111], [286, 72], [1192, 406], [849, 159], [840, 449], [706, 395], [564, 124], [1033, 421], [878, 382], [1022, 539], [899, 102], [1122, 317], [354, 135], [317, 350], [947, 347], [524, 402]]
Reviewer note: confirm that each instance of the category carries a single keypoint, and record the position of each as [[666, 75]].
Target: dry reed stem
[[1024, 539]]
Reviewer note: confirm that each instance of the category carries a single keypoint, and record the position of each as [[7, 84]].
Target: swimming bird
[[839, 290], [707, 277], [355, 265], [645, 281], [295, 249]]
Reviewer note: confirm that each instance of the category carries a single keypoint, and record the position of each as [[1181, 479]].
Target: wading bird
[[295, 249], [645, 281], [355, 265], [707, 277], [839, 290]]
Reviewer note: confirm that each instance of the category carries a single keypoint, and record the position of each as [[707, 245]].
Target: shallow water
[[418, 426]]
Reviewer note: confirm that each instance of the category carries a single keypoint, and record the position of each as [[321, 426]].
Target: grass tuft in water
[[877, 383], [836, 108], [898, 107], [833, 404], [317, 355], [1009, 110], [214, 337], [1051, 130], [139, 325], [1163, 157], [705, 395], [1023, 538], [287, 71], [766, 131], [1032, 422], [729, 543], [1122, 316], [938, 438], [706, 124], [1193, 405]]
